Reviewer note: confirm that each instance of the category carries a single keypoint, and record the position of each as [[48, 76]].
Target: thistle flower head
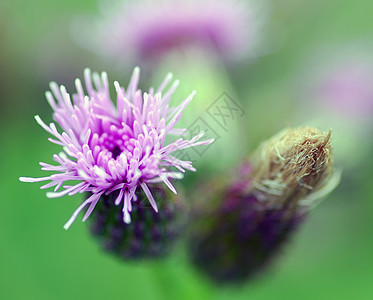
[[114, 148], [146, 30]]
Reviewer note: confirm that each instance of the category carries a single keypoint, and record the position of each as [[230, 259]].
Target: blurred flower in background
[[337, 93], [145, 31], [343, 80]]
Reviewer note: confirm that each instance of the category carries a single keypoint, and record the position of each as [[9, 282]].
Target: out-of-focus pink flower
[[349, 88], [343, 81], [146, 30]]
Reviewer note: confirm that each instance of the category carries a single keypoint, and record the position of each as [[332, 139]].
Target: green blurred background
[[331, 257]]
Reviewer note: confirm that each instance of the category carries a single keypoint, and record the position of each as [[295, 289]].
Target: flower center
[[116, 141]]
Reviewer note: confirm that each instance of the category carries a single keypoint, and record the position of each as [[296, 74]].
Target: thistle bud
[[292, 165], [250, 218], [151, 234]]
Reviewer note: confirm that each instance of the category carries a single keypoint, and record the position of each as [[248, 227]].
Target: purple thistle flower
[[114, 148], [146, 30]]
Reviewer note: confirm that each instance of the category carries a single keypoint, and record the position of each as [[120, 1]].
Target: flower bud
[[292, 165], [250, 218]]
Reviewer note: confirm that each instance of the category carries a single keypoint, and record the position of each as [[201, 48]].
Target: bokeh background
[[329, 258]]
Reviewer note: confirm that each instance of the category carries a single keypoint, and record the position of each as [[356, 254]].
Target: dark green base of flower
[[240, 239], [149, 235]]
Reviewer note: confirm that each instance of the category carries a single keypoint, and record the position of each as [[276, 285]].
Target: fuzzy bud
[[292, 165], [251, 217]]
